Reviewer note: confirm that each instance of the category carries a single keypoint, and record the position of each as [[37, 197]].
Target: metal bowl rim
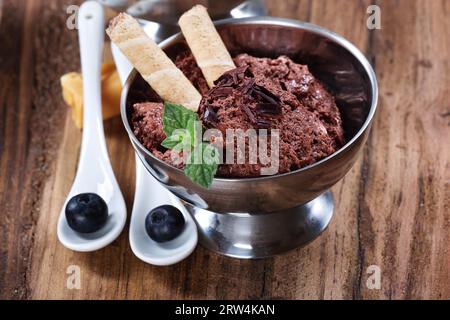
[[269, 21]]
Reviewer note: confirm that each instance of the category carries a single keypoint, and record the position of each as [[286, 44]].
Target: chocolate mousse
[[186, 63], [260, 93]]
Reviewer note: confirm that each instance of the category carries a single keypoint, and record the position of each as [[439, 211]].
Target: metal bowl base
[[256, 236]]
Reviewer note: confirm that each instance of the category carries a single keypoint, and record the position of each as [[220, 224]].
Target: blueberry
[[86, 212], [164, 223]]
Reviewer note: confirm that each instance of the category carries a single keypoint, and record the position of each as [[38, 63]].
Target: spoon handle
[[91, 36]]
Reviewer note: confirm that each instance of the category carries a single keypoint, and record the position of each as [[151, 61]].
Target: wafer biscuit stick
[[208, 48], [152, 63]]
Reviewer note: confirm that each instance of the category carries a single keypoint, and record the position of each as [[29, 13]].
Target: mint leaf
[[175, 141], [194, 129], [177, 117], [179, 140], [184, 132], [202, 164], [184, 138]]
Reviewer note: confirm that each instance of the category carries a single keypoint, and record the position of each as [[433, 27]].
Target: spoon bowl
[[150, 194]]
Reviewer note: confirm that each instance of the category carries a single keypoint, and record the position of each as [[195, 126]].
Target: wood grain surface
[[392, 209]]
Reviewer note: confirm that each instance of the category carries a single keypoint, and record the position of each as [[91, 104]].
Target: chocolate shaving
[[231, 77], [268, 109], [249, 113], [220, 92], [210, 116], [235, 77], [248, 86], [225, 80], [263, 123], [239, 72], [265, 94]]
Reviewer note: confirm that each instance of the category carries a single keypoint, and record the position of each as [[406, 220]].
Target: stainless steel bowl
[[261, 217]]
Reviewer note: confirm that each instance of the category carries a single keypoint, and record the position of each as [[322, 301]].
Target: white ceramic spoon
[[94, 172], [150, 194]]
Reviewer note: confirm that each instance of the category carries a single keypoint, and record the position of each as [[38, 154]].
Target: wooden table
[[392, 208]]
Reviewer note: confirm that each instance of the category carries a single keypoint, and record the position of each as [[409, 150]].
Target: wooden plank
[[406, 202]]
